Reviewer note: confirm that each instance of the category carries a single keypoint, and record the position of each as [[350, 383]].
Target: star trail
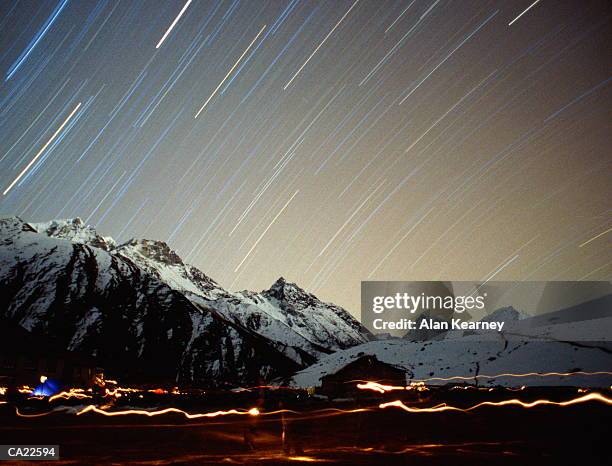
[[328, 142]]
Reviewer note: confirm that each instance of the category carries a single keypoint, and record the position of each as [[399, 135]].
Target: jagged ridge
[[137, 305]]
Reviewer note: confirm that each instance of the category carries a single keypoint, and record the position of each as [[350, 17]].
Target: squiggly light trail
[[142, 412], [527, 374], [418, 384], [513, 402], [596, 397], [72, 393]]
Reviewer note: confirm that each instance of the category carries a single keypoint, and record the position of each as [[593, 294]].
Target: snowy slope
[[547, 350], [76, 231], [285, 314], [158, 259], [323, 324]]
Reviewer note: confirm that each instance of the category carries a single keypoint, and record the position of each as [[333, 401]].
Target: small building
[[25, 357], [344, 381]]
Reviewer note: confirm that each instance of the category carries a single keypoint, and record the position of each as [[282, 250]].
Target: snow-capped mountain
[[76, 231], [138, 305], [471, 355], [286, 313], [159, 260], [552, 343], [296, 322]]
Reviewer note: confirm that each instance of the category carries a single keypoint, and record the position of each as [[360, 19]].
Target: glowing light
[[117, 392], [77, 393], [377, 387], [105, 410], [158, 391], [382, 388], [142, 412], [31, 415], [305, 459], [527, 374], [42, 150], [521, 388], [512, 402]]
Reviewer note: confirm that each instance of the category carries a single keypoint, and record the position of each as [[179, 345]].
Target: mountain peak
[[279, 283], [156, 250], [281, 289], [75, 230]]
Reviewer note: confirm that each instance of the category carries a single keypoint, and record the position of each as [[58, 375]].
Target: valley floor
[[346, 433]]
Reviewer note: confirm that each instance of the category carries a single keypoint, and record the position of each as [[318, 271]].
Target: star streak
[[230, 72], [40, 152], [176, 20]]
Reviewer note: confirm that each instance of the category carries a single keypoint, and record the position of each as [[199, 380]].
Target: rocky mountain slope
[[140, 310]]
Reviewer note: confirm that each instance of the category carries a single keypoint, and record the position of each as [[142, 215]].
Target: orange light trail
[[142, 412], [513, 402], [306, 459], [381, 388], [117, 392], [158, 391], [594, 396], [32, 415], [252, 412], [528, 374], [72, 393]]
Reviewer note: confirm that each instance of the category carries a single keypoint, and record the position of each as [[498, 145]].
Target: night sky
[[327, 142]]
